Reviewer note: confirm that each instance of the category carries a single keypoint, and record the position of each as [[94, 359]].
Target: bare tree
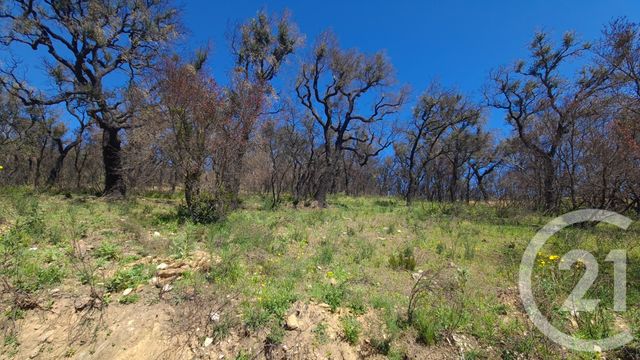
[[334, 86], [96, 49], [542, 104], [436, 115]]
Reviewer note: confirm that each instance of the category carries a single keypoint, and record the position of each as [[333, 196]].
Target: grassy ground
[[359, 258]]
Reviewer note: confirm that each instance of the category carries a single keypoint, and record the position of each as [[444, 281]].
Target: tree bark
[[547, 184], [114, 185]]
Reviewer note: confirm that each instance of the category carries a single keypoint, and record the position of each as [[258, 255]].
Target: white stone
[[162, 266], [214, 316], [127, 291], [207, 342]]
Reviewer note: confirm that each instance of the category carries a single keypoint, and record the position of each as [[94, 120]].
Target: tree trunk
[[191, 190], [56, 169], [112, 156], [324, 183], [547, 184]]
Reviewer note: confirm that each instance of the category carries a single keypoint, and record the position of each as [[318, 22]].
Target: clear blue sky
[[456, 42]]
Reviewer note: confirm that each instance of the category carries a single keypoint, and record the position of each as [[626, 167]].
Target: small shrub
[[129, 299], [403, 261], [333, 295], [427, 327], [205, 208], [254, 317], [325, 253], [320, 334], [382, 346], [276, 335], [107, 251], [351, 328], [130, 278]]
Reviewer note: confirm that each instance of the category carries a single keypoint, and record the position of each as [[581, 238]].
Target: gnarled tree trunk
[[114, 185]]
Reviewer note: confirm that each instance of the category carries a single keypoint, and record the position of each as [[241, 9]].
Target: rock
[[292, 322], [82, 303], [46, 337], [169, 273], [333, 281], [416, 275], [162, 266], [156, 234], [214, 316], [207, 342], [154, 281], [127, 291], [167, 288], [34, 354]]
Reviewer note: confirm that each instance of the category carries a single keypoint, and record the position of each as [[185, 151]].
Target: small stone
[[162, 266], [207, 342], [214, 316], [333, 281], [127, 291], [156, 234], [33, 248], [417, 275], [597, 349], [292, 322], [169, 273], [167, 288], [45, 337], [154, 281]]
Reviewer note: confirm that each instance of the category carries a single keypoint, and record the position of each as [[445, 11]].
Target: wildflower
[[1, 167], [329, 274], [554, 257], [541, 263]]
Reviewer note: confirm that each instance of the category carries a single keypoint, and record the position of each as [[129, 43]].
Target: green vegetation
[[269, 259]]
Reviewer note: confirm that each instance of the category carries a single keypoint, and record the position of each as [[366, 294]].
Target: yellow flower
[[541, 262], [554, 257], [330, 274], [1, 167]]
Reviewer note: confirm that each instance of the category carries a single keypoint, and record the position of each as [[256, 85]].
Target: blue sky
[[456, 42]]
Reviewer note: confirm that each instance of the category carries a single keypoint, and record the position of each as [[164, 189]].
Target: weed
[[276, 335], [403, 261], [351, 329], [320, 333], [107, 251], [129, 299], [129, 278]]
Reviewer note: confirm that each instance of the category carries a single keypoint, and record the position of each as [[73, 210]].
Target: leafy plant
[[403, 261], [351, 329]]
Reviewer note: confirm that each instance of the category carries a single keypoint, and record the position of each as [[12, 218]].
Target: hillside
[[84, 278]]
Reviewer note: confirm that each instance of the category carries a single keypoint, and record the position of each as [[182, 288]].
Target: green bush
[[351, 328], [205, 208], [403, 261], [107, 251], [130, 278]]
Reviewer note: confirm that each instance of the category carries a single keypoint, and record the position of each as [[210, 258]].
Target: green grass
[[356, 256]]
